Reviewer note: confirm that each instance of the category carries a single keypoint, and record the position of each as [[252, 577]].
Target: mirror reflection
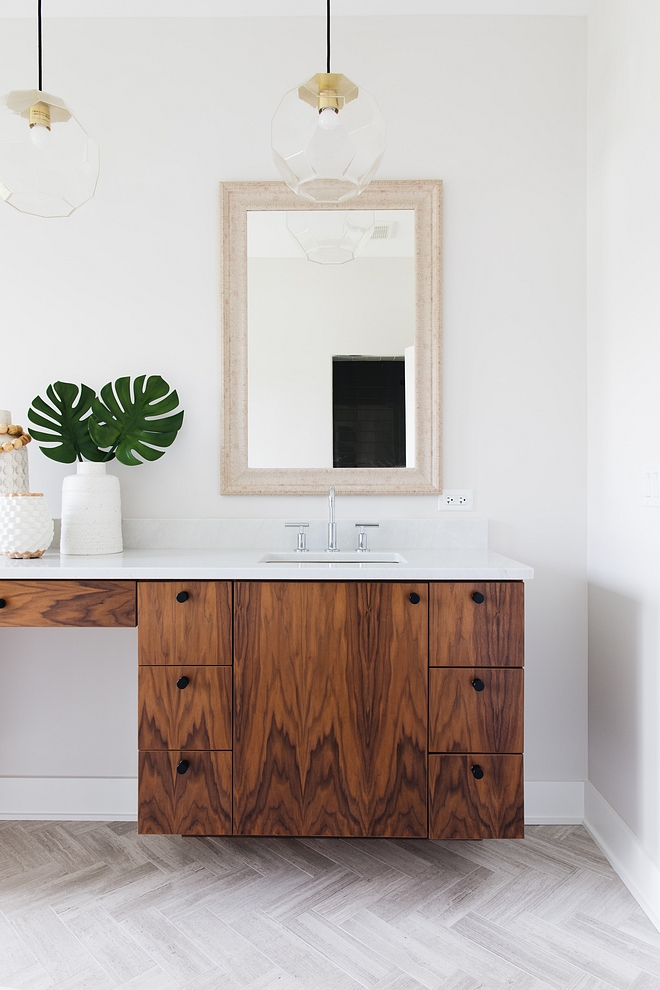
[[331, 328]]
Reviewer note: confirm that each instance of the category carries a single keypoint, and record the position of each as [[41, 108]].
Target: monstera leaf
[[133, 421], [65, 418]]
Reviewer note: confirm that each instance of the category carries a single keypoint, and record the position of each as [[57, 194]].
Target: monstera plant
[[132, 421], [126, 420]]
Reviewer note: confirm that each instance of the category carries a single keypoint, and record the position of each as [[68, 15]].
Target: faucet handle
[[362, 535], [301, 544]]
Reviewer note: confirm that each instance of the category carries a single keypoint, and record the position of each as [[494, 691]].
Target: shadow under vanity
[[314, 707]]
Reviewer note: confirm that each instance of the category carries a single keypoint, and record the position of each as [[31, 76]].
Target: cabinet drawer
[[67, 603], [185, 707], [476, 624], [475, 710], [197, 802], [486, 806], [192, 631]]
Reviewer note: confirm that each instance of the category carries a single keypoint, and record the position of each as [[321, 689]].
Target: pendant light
[[331, 237], [328, 136], [48, 164]]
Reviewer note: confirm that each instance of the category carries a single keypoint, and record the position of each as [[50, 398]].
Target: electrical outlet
[[651, 485], [456, 498]]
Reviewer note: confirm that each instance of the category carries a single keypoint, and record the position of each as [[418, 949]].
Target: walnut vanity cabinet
[[352, 708], [347, 708]]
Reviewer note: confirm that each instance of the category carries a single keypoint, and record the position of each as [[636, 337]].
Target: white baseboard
[[639, 872], [115, 799], [68, 799], [554, 802]]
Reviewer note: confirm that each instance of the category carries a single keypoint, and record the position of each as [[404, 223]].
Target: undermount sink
[[334, 557]]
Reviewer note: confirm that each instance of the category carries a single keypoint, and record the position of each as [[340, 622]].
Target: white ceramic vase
[[14, 473], [91, 512], [26, 526]]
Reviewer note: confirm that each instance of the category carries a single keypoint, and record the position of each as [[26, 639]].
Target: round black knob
[[478, 684], [183, 765], [184, 681], [477, 771], [414, 598], [183, 596], [2, 603], [477, 597]]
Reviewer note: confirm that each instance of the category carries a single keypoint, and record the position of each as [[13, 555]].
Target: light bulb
[[40, 136], [328, 119]]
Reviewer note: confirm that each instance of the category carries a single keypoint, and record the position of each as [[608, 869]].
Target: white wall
[[495, 106], [624, 431]]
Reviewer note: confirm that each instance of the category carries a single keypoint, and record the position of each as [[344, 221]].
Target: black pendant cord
[[327, 31], [41, 70]]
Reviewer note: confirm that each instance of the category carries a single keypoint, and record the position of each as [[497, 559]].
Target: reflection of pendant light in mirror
[[328, 136], [48, 164], [331, 237]]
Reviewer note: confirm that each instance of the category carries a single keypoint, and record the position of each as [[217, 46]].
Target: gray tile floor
[[94, 906]]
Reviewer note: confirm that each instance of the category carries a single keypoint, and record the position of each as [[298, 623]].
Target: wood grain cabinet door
[[184, 707], [196, 801], [330, 708], [475, 710], [67, 603], [184, 622], [476, 796], [476, 624]]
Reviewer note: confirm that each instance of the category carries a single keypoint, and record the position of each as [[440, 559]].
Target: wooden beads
[[19, 438]]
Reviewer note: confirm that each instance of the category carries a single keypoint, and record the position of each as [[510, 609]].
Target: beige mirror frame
[[425, 198]]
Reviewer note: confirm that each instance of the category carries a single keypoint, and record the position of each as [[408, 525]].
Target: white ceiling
[[283, 8]]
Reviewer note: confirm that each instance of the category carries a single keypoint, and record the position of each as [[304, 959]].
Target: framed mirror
[[332, 326]]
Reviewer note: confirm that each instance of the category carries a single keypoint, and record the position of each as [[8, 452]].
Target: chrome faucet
[[332, 523]]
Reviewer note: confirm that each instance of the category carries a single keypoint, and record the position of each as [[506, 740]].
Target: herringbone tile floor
[[94, 906]]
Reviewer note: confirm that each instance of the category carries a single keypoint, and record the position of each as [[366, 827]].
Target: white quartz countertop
[[244, 565]]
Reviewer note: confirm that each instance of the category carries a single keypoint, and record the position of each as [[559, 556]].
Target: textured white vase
[[91, 512], [14, 473], [26, 527]]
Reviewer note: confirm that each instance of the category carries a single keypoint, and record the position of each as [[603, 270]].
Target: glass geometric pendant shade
[[328, 138], [331, 237], [49, 166]]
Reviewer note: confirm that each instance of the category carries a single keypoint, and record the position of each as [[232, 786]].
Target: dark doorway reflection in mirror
[[368, 411]]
